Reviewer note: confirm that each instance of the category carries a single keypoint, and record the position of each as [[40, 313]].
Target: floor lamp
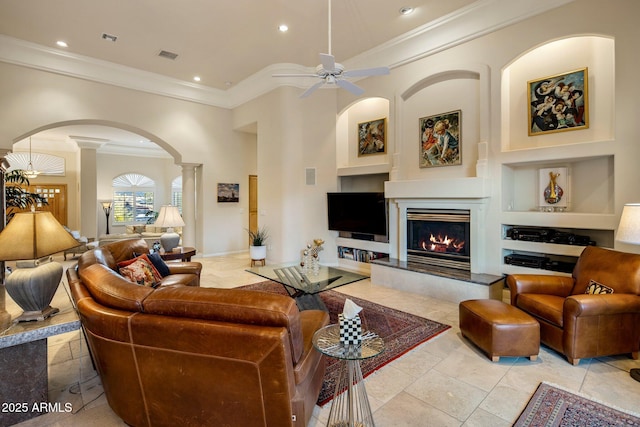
[[629, 232], [106, 207], [30, 239]]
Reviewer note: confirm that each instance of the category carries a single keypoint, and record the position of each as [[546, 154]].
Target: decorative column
[[189, 204], [88, 181]]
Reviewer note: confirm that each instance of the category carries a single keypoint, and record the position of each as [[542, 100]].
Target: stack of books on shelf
[[360, 255]]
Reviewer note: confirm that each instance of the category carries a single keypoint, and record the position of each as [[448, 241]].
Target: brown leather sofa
[[581, 325], [185, 355]]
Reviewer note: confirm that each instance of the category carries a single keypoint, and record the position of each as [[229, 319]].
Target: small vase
[[553, 193]]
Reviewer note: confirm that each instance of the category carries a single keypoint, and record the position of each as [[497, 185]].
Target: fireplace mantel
[[444, 188]]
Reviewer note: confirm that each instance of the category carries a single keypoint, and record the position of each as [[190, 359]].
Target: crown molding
[[478, 19]]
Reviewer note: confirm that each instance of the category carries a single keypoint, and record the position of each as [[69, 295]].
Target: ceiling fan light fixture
[[283, 28]]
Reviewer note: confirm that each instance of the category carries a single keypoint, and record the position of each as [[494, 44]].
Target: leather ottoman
[[499, 329]]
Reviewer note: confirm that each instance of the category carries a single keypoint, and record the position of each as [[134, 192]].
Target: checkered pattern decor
[[350, 330]]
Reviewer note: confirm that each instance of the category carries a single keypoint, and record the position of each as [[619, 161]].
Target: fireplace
[[439, 237]]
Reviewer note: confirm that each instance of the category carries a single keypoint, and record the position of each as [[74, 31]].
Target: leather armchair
[[181, 355], [581, 325]]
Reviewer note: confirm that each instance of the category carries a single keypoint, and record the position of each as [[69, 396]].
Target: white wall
[[294, 134], [494, 106], [196, 134]]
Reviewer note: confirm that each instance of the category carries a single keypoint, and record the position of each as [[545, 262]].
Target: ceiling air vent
[[169, 55], [109, 37]]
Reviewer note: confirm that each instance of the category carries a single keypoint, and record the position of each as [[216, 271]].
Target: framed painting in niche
[[441, 139], [554, 189], [559, 103], [228, 193], [372, 137]]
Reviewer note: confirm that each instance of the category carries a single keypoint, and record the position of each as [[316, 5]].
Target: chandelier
[[31, 173]]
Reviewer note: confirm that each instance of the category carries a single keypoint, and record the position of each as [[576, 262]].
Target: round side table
[[349, 408]]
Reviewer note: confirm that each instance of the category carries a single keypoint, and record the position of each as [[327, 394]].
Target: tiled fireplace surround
[[451, 285]]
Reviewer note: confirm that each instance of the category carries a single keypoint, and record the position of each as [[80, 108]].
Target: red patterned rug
[[552, 406], [400, 331]]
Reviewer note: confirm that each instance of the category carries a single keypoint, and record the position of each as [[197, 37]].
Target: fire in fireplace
[[439, 237]]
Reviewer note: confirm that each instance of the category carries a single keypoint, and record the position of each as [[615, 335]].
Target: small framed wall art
[[372, 137], [559, 103], [440, 140], [228, 193]]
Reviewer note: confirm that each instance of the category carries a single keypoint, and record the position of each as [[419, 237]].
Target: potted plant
[[257, 246], [17, 198]]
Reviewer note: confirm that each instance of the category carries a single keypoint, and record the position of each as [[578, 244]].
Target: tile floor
[[443, 382]]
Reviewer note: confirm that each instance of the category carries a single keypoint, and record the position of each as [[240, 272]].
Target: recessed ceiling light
[[283, 28], [62, 43], [406, 10], [196, 78]]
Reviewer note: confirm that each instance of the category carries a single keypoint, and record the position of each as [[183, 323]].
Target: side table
[[349, 408], [184, 255]]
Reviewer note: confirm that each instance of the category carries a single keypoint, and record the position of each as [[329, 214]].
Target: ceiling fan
[[331, 72]]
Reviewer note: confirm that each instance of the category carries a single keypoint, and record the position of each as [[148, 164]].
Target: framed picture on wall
[[372, 137], [228, 193], [559, 103], [440, 139]]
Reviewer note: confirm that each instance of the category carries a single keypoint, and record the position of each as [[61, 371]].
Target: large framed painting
[[372, 137], [559, 103], [228, 193], [441, 140]]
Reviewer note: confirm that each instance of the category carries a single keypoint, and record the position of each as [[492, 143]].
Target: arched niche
[[448, 88], [365, 110], [596, 53]]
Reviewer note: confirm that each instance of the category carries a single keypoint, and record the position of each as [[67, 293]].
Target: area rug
[[553, 406], [400, 331]]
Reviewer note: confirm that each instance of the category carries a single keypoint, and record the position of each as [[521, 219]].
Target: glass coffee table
[[305, 285]]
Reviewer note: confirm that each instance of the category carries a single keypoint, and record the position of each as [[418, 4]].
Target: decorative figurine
[[553, 193]]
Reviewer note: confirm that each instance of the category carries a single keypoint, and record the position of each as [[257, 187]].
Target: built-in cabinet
[[589, 211]]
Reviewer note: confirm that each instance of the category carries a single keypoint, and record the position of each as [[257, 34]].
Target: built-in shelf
[[357, 254]]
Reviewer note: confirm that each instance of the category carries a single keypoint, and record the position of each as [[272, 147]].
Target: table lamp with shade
[[169, 217], [30, 239], [629, 232]]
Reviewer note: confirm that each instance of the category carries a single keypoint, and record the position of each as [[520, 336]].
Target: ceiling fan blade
[[346, 84], [312, 89], [294, 75], [328, 62], [365, 72]]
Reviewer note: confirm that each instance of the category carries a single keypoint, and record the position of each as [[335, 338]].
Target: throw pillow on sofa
[[140, 270], [595, 288], [157, 262]]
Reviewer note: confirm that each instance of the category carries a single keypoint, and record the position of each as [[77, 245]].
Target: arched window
[[176, 193], [132, 199]]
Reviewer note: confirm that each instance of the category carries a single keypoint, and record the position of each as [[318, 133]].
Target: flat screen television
[[363, 213]]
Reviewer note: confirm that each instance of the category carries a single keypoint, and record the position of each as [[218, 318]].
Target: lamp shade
[[32, 235], [169, 217], [629, 227]]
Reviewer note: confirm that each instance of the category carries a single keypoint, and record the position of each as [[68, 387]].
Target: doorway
[[253, 203], [56, 195]]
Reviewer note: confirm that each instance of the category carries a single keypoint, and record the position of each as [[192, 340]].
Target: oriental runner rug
[[400, 331], [552, 406]]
